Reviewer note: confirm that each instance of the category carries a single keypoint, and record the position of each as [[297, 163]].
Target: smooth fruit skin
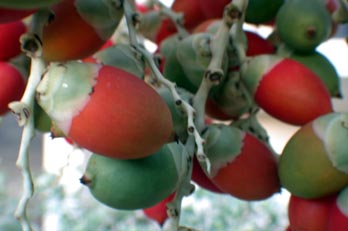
[[158, 212], [71, 36], [309, 214], [286, 89], [132, 184], [12, 15], [323, 68], [201, 179], [242, 166], [262, 11], [118, 115], [12, 86], [311, 21], [9, 39], [338, 217], [305, 169]]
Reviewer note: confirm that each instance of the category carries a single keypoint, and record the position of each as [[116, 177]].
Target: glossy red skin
[[337, 220], [213, 111], [201, 179], [124, 117], [309, 214], [12, 86], [11, 15], [293, 94], [69, 37], [258, 45], [158, 212], [256, 161], [9, 39]]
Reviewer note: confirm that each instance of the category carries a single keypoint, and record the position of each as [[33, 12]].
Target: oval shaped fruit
[[241, 165], [9, 39], [12, 85], [338, 217], [309, 214], [323, 68], [303, 25], [286, 89], [105, 109], [132, 184], [314, 162], [79, 28]]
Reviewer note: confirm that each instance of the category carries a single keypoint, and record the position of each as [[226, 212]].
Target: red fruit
[[105, 109], [193, 14], [158, 212], [309, 214], [12, 86], [76, 32], [200, 178], [9, 39], [242, 165], [286, 89], [11, 15], [338, 218], [258, 45]]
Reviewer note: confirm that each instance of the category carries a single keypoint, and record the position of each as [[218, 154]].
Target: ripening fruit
[[213, 8], [105, 109], [201, 179], [286, 89], [77, 31], [158, 212], [314, 162], [11, 15], [132, 184], [9, 39], [338, 217], [323, 68], [12, 85], [25, 4], [241, 165], [303, 25], [309, 214]]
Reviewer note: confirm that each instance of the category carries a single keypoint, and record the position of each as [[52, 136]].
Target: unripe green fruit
[[261, 11], [26, 4], [303, 25], [132, 184]]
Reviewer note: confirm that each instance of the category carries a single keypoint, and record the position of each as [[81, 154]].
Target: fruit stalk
[[23, 110]]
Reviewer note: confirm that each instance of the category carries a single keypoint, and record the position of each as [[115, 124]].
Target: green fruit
[[172, 69], [194, 55], [132, 184], [303, 25], [121, 56], [324, 69], [314, 162], [261, 11]]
